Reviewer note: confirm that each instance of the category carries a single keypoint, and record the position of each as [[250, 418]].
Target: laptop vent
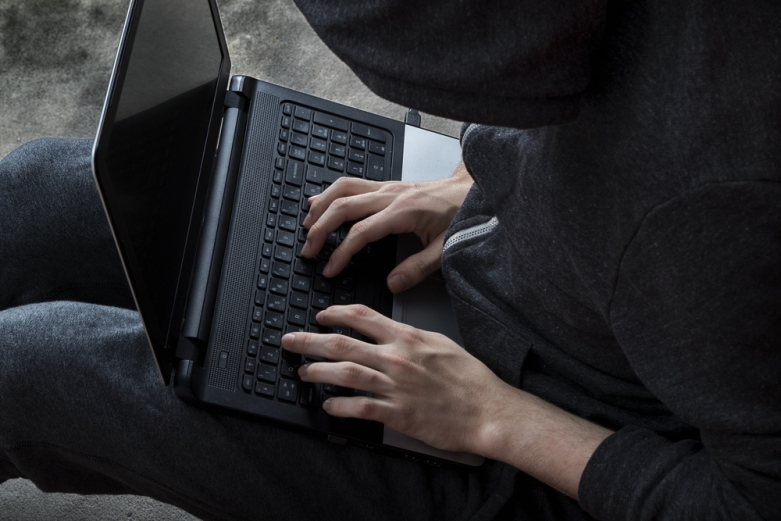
[[242, 250]]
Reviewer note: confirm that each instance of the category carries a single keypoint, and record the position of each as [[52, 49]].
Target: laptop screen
[[157, 145]]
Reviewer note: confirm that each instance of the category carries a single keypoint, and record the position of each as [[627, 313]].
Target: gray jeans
[[82, 408]]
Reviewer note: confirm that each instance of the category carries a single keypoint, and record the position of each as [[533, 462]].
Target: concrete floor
[[55, 61]]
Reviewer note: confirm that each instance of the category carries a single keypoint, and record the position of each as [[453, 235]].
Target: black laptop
[[205, 180]]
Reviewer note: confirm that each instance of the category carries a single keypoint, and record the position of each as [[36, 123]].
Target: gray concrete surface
[[55, 60]]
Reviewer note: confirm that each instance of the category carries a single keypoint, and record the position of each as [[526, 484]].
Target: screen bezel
[[162, 337]]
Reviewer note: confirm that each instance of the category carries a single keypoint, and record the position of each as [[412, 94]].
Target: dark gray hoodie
[[631, 153]]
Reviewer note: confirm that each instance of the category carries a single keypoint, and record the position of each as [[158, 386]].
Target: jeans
[[84, 410]]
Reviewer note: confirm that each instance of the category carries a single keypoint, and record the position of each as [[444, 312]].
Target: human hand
[[383, 208], [423, 384]]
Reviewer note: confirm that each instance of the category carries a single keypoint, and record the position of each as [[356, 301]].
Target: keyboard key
[[273, 205], [332, 238], [269, 234], [293, 193], [290, 367], [283, 253], [317, 158], [300, 248], [286, 238], [342, 298], [279, 286], [276, 303], [279, 163], [294, 173], [281, 149], [358, 142], [356, 155], [276, 191], [290, 208], [260, 297], [313, 318], [264, 389], [297, 317], [271, 337], [319, 131], [288, 390], [262, 281], [309, 395], [302, 126], [377, 148], [335, 163], [299, 300], [287, 222], [345, 282], [339, 137], [341, 330], [246, 382], [320, 267], [301, 283], [355, 169], [257, 313], [264, 265], [287, 109], [311, 190], [269, 355], [334, 389], [320, 145], [322, 284], [302, 233], [271, 220], [297, 153], [283, 134], [375, 168], [249, 365], [320, 301], [285, 122], [367, 131], [267, 372], [252, 348], [293, 328], [275, 320], [337, 150], [303, 113], [266, 250], [331, 121], [303, 267], [254, 331]]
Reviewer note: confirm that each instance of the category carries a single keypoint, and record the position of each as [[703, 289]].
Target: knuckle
[[359, 311], [350, 374], [339, 346], [365, 408]]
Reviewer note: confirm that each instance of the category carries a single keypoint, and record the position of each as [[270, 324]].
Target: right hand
[[383, 208]]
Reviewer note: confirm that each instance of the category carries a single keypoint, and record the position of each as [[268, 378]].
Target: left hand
[[424, 385]]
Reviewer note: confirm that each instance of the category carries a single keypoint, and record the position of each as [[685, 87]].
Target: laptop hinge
[[199, 312]]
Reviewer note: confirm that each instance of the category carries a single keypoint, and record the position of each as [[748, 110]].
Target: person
[[618, 290]]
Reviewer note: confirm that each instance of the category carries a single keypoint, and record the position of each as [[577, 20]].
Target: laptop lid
[[153, 153]]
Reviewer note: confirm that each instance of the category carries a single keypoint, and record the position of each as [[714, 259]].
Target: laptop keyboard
[[313, 150]]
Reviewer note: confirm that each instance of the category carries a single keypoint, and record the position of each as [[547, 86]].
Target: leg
[[54, 236], [82, 409]]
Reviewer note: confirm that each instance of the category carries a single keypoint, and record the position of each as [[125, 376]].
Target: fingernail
[[303, 369], [327, 269], [397, 283], [288, 339], [327, 405], [307, 219], [305, 249], [317, 317]]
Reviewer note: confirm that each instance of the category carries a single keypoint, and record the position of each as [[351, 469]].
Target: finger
[[417, 267], [342, 210], [343, 187], [333, 347], [347, 374], [372, 228], [365, 320], [358, 407]]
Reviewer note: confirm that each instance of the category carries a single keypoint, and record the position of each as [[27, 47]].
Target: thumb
[[417, 267]]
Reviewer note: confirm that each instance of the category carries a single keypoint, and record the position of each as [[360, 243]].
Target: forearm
[[540, 439]]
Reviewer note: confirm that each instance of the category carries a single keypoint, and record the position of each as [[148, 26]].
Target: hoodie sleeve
[[519, 63]]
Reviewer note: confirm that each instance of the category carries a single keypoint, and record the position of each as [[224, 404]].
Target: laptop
[[205, 178]]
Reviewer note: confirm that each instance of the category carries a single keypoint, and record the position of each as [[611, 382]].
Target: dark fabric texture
[[637, 258]]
